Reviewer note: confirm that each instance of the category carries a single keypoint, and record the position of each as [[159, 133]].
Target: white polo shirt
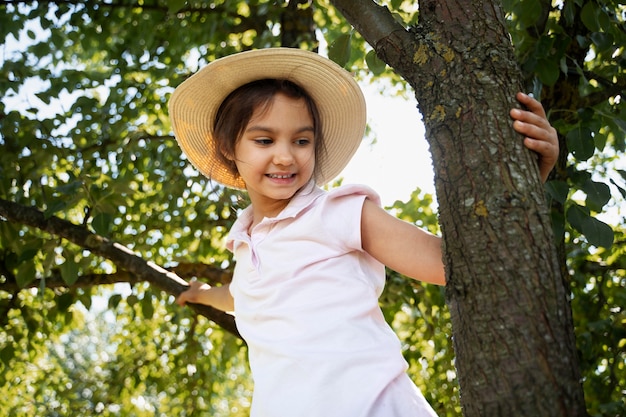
[[306, 302]]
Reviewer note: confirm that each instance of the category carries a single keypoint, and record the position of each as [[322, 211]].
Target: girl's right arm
[[201, 293], [415, 253]]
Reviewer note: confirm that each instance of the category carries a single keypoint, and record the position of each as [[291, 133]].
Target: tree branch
[[391, 41], [206, 273], [123, 257], [372, 21]]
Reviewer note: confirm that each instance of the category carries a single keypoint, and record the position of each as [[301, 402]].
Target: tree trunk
[[512, 324]]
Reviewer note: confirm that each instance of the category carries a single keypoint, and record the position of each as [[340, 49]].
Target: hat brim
[[340, 102]]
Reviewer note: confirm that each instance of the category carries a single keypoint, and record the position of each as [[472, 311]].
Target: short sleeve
[[343, 208], [355, 190]]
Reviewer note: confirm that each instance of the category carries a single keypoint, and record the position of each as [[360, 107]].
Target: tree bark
[[512, 324]]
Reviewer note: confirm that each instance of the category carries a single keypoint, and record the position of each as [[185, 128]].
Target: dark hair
[[236, 110]]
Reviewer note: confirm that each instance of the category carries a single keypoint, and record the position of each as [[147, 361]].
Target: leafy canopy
[[85, 137]]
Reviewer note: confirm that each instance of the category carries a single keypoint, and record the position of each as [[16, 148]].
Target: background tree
[[91, 145]]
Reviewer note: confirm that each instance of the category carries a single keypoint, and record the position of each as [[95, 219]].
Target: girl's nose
[[283, 155]]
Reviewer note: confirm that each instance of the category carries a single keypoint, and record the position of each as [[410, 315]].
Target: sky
[[399, 161]]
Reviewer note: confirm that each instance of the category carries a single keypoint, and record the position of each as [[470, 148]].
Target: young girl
[[310, 263]]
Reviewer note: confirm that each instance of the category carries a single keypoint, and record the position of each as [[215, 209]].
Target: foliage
[[598, 287], [576, 49], [84, 136], [120, 358], [573, 56]]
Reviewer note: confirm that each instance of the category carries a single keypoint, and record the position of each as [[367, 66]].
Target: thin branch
[[206, 273], [121, 256], [373, 22]]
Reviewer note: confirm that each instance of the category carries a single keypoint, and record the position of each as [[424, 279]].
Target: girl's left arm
[[541, 137]]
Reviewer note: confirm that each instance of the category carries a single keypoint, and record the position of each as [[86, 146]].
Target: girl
[[310, 263]]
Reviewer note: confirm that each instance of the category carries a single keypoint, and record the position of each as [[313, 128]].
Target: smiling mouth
[[284, 176]]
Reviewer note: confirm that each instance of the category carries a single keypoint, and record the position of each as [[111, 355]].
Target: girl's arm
[[416, 253], [401, 246], [201, 293]]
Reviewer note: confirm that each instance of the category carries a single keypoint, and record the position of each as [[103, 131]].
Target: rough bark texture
[[512, 325]]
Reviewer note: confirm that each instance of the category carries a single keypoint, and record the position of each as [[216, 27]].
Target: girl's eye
[[263, 141], [303, 141]]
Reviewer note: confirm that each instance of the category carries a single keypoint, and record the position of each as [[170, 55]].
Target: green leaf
[[25, 274], [558, 190], [30, 249], [69, 271], [102, 224], [558, 224], [339, 50], [599, 326], [147, 308], [6, 354], [44, 96], [576, 216], [526, 12], [598, 233], [174, 6], [375, 64], [569, 11], [131, 300], [598, 194], [85, 299], [563, 65], [68, 317], [64, 301], [578, 177], [548, 71], [545, 46], [621, 124], [70, 188], [603, 41], [114, 301], [589, 16], [583, 41], [8, 234], [605, 22], [600, 140], [580, 143], [54, 207]]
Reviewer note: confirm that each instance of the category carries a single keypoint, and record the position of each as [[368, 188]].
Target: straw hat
[[339, 99]]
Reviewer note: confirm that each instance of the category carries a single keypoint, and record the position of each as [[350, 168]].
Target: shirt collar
[[299, 202]]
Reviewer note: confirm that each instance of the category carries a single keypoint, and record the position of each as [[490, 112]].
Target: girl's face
[[275, 155]]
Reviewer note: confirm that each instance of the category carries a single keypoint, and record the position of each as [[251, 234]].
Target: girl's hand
[[195, 294], [541, 137], [201, 293]]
